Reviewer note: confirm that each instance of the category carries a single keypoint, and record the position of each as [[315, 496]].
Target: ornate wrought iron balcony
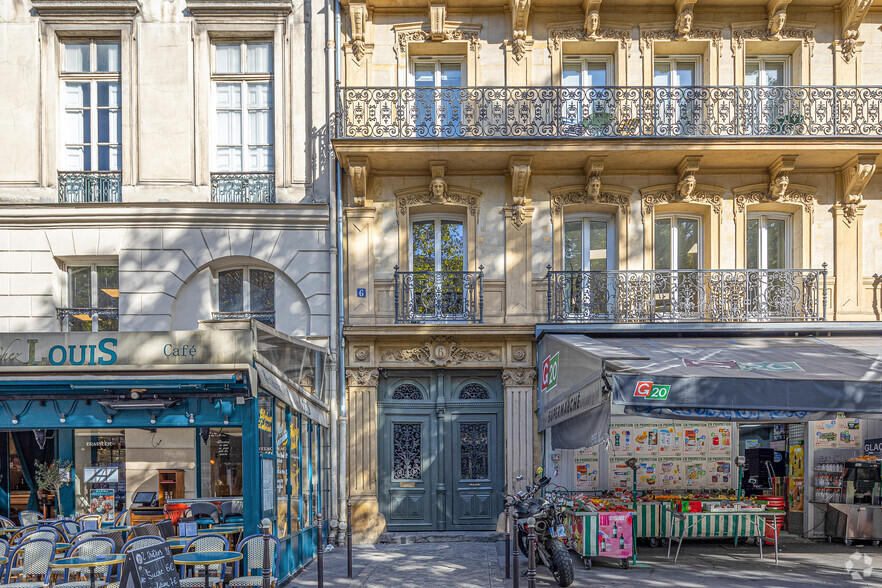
[[437, 297], [245, 187], [108, 318], [267, 318], [687, 295], [89, 186], [609, 112]]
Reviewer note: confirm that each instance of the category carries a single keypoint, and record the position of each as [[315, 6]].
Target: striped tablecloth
[[717, 526]]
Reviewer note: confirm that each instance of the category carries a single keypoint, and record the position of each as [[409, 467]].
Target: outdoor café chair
[[84, 535], [4, 552], [121, 519], [46, 532], [204, 543], [31, 559], [205, 513], [87, 547], [145, 529], [68, 527], [251, 548], [135, 543], [89, 517], [231, 512], [29, 517], [6, 523]]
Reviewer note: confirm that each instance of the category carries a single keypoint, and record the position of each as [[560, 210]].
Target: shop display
[[587, 468], [600, 534], [828, 481]]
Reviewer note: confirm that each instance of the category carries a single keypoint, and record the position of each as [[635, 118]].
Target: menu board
[[102, 501], [150, 567], [838, 433], [587, 468]]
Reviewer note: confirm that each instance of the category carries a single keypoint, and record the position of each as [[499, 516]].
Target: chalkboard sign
[[150, 567]]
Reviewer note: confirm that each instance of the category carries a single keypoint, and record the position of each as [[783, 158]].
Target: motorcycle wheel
[[522, 545], [561, 564]]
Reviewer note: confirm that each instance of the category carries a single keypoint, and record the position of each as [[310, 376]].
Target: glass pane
[[76, 158], [260, 159], [474, 451], [407, 451], [228, 58], [76, 129], [76, 95], [229, 159], [108, 56], [452, 246], [685, 74], [662, 243], [573, 246], [572, 74], [424, 75], [228, 95], [76, 57], [662, 75], [451, 75], [595, 73], [229, 127], [281, 471], [260, 127], [108, 286], [109, 121], [260, 57], [774, 73], [687, 243], [423, 240], [229, 290], [260, 96], [295, 473], [108, 158], [751, 73], [80, 287], [108, 94], [263, 290], [776, 242], [752, 245], [598, 243]]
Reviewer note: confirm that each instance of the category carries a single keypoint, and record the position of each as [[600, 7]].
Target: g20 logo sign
[[549, 373], [652, 391]]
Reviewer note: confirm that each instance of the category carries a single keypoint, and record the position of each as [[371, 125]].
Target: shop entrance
[[440, 450]]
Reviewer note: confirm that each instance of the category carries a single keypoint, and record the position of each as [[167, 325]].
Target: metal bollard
[[531, 563], [508, 542], [348, 538], [319, 551], [516, 567], [267, 564]]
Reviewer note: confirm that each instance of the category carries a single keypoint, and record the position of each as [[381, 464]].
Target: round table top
[[62, 546], [205, 558], [10, 529], [115, 528], [226, 525], [220, 531], [88, 561], [4, 561]]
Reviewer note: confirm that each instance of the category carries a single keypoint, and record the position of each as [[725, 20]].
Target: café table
[[88, 561], [178, 542], [9, 530], [207, 559], [220, 530], [62, 546]]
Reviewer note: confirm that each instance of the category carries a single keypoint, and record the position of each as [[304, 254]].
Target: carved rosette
[[559, 199], [576, 32], [442, 351], [519, 377], [702, 194], [364, 377]]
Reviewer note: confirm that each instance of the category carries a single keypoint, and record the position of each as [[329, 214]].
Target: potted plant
[[598, 123], [53, 476]]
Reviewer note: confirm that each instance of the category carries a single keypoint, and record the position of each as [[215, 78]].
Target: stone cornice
[[566, 195], [239, 8], [161, 215], [97, 11]]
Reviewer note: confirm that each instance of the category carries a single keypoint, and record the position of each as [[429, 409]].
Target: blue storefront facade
[[232, 411]]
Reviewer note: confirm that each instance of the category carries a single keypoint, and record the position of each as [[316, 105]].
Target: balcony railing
[[89, 186], [609, 112], [687, 295], [267, 318], [427, 297], [108, 318], [244, 187]]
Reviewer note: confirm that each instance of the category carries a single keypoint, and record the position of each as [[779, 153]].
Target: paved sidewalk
[[701, 564]]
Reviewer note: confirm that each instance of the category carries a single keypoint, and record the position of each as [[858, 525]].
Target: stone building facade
[[594, 162]]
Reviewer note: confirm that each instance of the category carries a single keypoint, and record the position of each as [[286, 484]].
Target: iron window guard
[[443, 296], [266, 317], [75, 187], [244, 187]]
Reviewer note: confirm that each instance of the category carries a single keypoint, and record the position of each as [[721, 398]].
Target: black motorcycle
[[551, 551]]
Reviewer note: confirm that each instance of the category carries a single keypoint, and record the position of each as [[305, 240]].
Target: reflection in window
[[93, 293], [677, 243], [281, 471], [249, 291], [767, 237], [221, 455], [296, 498]]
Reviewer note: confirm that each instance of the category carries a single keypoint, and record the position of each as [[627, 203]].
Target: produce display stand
[[681, 523], [600, 534]]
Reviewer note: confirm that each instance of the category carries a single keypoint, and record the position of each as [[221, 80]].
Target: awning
[[288, 393], [734, 379]]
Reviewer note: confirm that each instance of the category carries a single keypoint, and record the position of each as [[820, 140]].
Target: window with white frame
[[589, 252], [92, 118], [678, 242], [767, 71], [776, 113], [768, 241], [677, 111], [93, 298], [438, 285], [247, 293], [242, 82], [588, 102], [682, 70], [437, 112]]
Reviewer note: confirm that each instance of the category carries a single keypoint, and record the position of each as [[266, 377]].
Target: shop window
[[100, 465], [93, 296], [265, 425], [221, 467], [296, 498], [281, 472], [307, 464], [247, 293]]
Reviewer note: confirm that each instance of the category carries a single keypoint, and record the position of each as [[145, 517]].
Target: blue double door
[[441, 450]]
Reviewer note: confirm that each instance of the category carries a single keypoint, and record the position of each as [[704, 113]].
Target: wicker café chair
[[87, 547], [122, 519], [29, 517], [251, 549], [84, 535], [32, 558], [89, 517], [216, 572], [6, 523], [39, 533], [67, 527], [4, 552]]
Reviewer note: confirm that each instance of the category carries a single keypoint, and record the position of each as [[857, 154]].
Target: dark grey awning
[[733, 379]]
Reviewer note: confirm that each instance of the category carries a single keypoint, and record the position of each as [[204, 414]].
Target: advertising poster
[[587, 467], [719, 475], [101, 501], [694, 440], [621, 440], [838, 433], [720, 440], [695, 474], [797, 461], [648, 475], [645, 440], [796, 493], [669, 470], [620, 477], [669, 441], [614, 534]]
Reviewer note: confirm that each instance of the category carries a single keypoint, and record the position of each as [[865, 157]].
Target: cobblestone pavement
[[702, 563]]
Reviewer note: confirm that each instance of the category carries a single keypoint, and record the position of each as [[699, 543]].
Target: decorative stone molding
[[519, 168], [438, 192], [671, 194], [616, 195], [671, 32], [519, 377], [362, 353], [519, 353], [686, 172], [575, 31], [685, 19], [593, 183], [518, 214], [239, 8], [760, 31], [592, 17], [421, 33], [359, 169], [777, 10], [437, 17], [114, 11], [520, 17], [442, 351], [759, 193], [855, 176], [358, 20], [853, 14], [365, 377], [779, 176]]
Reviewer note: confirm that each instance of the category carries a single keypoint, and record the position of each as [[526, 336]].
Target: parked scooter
[[548, 523]]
